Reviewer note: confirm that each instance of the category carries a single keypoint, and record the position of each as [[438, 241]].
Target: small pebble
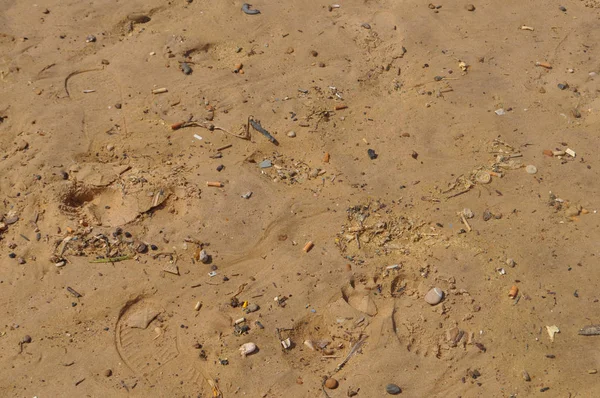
[[366, 26], [531, 169], [265, 164], [252, 308], [12, 255], [562, 86], [64, 175], [434, 296], [372, 154], [26, 339], [592, 371], [90, 39], [526, 376], [487, 215], [291, 134], [510, 262], [204, 257], [313, 53], [321, 64], [110, 147], [562, 8], [141, 247], [470, 7], [107, 373], [220, 167], [468, 213], [21, 260], [118, 105], [332, 384], [186, 69], [392, 389]]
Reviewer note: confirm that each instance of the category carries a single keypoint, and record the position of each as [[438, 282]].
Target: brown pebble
[[26, 339], [470, 7], [108, 373], [313, 53], [328, 351], [526, 376], [289, 50], [332, 384], [592, 371], [238, 67]]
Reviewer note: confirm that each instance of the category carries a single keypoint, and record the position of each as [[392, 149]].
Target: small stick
[[544, 65], [353, 350], [340, 107], [458, 193], [79, 382], [159, 90], [111, 259], [73, 292], [214, 184], [525, 27], [308, 246], [256, 125], [224, 147], [464, 220]]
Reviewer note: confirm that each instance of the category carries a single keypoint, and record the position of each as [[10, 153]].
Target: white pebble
[[434, 296], [247, 349]]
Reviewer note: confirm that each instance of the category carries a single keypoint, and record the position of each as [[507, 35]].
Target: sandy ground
[[92, 170]]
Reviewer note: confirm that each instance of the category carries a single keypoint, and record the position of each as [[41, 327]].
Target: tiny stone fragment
[[392, 389]]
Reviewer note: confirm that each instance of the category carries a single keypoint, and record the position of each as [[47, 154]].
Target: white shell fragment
[[552, 330], [570, 152], [531, 169], [483, 177], [287, 343], [247, 349]]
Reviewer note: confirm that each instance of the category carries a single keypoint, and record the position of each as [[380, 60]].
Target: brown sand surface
[[92, 173]]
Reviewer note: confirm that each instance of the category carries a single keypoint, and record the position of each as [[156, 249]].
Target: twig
[[77, 72], [353, 350], [111, 259], [458, 193], [464, 220]]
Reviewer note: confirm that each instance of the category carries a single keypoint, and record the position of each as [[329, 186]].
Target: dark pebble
[[185, 67], [118, 106], [127, 235], [64, 174], [562, 8], [26, 339], [153, 247], [107, 373], [563, 86], [12, 255], [438, 78], [544, 389], [470, 7], [141, 247], [372, 154], [392, 389], [366, 26], [487, 215], [220, 167]]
